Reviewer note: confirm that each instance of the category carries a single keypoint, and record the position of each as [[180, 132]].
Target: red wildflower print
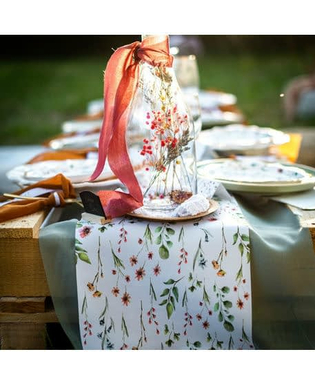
[[140, 241], [114, 272], [127, 278], [212, 219], [205, 324], [199, 317], [246, 296], [244, 281], [126, 299], [115, 291], [140, 273], [210, 312], [157, 270], [240, 303], [133, 260], [85, 231], [235, 288], [150, 255]]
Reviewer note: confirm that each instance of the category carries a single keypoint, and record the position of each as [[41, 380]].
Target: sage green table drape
[[283, 275]]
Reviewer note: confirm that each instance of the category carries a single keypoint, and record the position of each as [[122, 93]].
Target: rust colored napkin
[[62, 155], [59, 189]]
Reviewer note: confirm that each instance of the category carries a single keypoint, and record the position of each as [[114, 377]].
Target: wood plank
[[36, 318], [24, 227], [307, 220], [18, 336], [22, 304], [22, 272]]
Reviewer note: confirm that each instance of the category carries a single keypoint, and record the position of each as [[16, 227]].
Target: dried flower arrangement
[[170, 136]]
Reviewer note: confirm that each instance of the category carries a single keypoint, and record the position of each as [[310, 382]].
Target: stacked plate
[[239, 139]]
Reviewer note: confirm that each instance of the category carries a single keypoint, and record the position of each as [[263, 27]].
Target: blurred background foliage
[[45, 80]]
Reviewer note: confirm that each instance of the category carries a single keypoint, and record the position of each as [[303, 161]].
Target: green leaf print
[[172, 296], [158, 240], [158, 229], [163, 252], [175, 292], [227, 304], [165, 292], [84, 257], [241, 248], [245, 238], [228, 326], [169, 310], [225, 289], [170, 231]]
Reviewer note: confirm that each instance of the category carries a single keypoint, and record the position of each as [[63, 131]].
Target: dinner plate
[[81, 126], [258, 176], [218, 117], [95, 106], [212, 99], [76, 141], [241, 139], [77, 170]]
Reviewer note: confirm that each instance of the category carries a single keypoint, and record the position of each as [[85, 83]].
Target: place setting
[[157, 214]]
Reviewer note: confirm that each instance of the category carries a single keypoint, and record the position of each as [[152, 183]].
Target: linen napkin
[[62, 155], [50, 192], [303, 200]]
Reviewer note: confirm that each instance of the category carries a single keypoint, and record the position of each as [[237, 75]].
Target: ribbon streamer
[[120, 83]]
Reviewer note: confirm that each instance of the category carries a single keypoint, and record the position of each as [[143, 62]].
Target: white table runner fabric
[[154, 285]]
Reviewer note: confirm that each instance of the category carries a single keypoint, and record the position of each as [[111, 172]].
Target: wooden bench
[[25, 304]]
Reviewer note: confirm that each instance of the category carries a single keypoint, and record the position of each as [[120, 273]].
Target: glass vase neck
[[158, 38]]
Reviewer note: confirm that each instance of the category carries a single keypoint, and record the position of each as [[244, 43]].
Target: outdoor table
[[282, 294], [93, 299]]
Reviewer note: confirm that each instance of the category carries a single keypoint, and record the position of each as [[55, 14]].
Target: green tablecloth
[[283, 284]]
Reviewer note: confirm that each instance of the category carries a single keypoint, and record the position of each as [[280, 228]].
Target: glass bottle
[[161, 126]]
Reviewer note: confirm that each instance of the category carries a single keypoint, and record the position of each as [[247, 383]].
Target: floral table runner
[[155, 285]]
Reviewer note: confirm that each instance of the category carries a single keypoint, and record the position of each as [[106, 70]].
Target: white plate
[[74, 169], [211, 99], [77, 141], [95, 106], [81, 126], [218, 117], [239, 138], [77, 170], [258, 176]]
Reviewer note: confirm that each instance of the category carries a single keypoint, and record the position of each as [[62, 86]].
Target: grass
[[36, 97]]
